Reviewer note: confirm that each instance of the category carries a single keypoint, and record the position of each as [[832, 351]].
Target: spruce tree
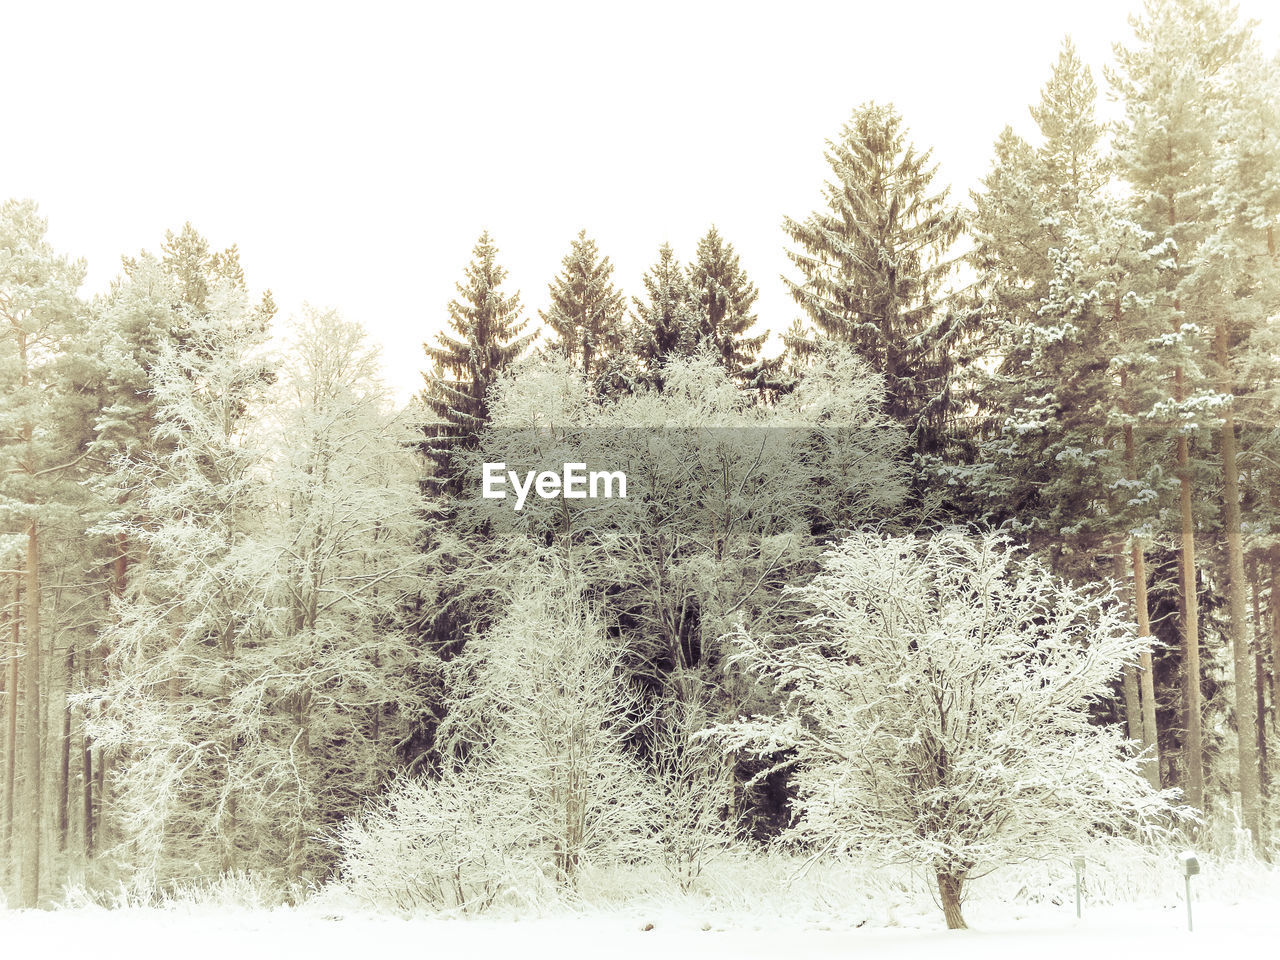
[[487, 334], [1237, 271], [664, 324], [724, 301], [1170, 80], [586, 312], [874, 264]]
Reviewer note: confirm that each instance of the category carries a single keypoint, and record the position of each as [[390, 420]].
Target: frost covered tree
[[874, 264], [323, 695], [1075, 356], [194, 269], [487, 334], [727, 500], [542, 697], [196, 598], [536, 782], [1237, 272], [587, 312], [935, 702], [255, 689]]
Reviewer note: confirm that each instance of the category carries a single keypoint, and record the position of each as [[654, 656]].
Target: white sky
[[355, 151]]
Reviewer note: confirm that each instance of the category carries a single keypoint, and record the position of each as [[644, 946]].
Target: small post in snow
[[1190, 867], [1079, 865]]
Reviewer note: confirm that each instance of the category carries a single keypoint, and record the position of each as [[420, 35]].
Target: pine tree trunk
[[1241, 654], [1193, 745], [64, 760], [1260, 700], [31, 824], [1132, 704], [11, 721], [951, 889], [96, 794], [86, 766], [1132, 698], [1274, 609], [1146, 674], [1142, 614]]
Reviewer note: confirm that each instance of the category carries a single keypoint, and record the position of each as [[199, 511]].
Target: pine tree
[[874, 264], [1058, 269], [723, 300], [1029, 202], [194, 268], [586, 312], [664, 324], [488, 334], [43, 436], [1170, 80], [1237, 270]]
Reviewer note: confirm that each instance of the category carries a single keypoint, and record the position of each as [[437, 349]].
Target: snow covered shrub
[[694, 788], [541, 698], [538, 781], [935, 707], [454, 842]]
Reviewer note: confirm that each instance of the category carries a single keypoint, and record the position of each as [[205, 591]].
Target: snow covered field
[[998, 930]]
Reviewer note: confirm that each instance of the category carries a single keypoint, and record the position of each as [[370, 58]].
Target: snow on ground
[[1038, 933]]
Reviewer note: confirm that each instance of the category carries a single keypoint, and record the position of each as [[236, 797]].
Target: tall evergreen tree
[[43, 438], [664, 324], [1058, 270], [586, 312], [1170, 81], [487, 334], [874, 263], [1237, 270], [724, 301], [195, 268]]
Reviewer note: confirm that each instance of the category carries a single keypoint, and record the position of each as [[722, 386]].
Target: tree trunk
[[86, 766], [11, 724], [1142, 614], [1274, 609], [1193, 744], [951, 889], [1132, 698], [1146, 674], [1260, 683], [1260, 691], [1237, 615], [31, 822], [64, 760], [1132, 704]]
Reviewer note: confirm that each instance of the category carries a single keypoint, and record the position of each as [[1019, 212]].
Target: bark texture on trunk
[[11, 720], [1274, 604], [30, 825], [64, 759], [951, 891], [1237, 614], [1193, 742], [1146, 669], [1139, 682]]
